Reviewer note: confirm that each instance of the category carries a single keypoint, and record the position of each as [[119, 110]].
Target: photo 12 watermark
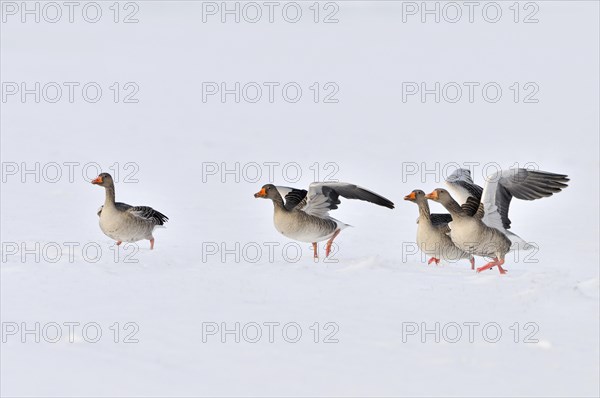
[[266, 252], [525, 253], [469, 332], [70, 92], [270, 332], [438, 172], [470, 12], [270, 172], [69, 332], [271, 92], [470, 92], [253, 12], [56, 12], [67, 252], [70, 171]]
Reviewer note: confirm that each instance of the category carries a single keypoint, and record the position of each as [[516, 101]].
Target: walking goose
[[125, 223], [304, 215], [470, 233], [480, 227], [432, 233], [499, 190]]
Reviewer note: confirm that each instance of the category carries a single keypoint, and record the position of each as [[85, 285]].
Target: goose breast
[[122, 226], [434, 242], [304, 227]]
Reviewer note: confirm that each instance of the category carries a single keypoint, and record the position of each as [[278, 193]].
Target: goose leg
[[315, 250], [496, 263], [472, 261], [152, 244], [432, 259], [329, 242], [488, 265], [502, 270]]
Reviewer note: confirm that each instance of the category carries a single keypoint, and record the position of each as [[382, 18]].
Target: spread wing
[[324, 196], [292, 196], [521, 184], [461, 186]]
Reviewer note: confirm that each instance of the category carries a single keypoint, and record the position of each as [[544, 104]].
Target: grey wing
[[461, 185], [148, 214], [324, 196], [293, 197], [120, 206], [319, 200], [441, 221], [440, 218], [473, 207], [521, 184], [480, 213]]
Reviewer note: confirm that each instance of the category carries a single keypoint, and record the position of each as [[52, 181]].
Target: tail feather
[[518, 243]]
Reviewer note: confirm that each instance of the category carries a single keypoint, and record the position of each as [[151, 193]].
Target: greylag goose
[[304, 215], [468, 231], [480, 227], [432, 233], [125, 223], [499, 190]]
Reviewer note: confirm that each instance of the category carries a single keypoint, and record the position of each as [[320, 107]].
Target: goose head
[[415, 196], [268, 191], [104, 180], [440, 195]]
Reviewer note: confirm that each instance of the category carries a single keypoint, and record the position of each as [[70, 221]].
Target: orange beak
[[261, 194], [97, 180], [410, 196], [433, 195]]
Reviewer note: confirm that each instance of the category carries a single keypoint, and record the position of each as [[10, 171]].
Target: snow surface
[[372, 293]]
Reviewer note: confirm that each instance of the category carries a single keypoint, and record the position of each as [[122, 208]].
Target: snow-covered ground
[[364, 317]]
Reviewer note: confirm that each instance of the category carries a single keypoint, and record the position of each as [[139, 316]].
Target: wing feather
[[324, 196], [148, 214], [461, 186], [440, 218], [293, 197], [519, 183]]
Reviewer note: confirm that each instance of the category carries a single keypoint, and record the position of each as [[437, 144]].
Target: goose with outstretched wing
[[480, 226], [304, 215], [499, 190], [432, 229]]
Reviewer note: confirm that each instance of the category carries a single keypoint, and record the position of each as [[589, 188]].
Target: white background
[[371, 136]]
